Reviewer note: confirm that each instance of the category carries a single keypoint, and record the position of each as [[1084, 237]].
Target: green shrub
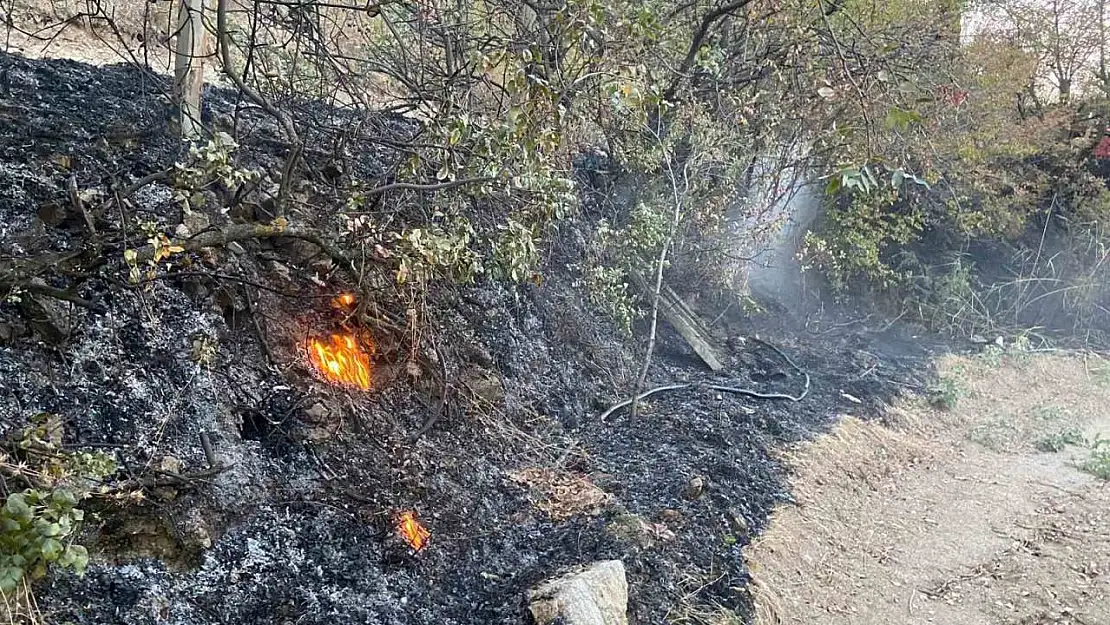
[[1098, 464], [41, 514], [1059, 441], [854, 240], [945, 394]]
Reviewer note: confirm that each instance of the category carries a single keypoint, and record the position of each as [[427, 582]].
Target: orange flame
[[344, 300], [342, 360], [415, 534]]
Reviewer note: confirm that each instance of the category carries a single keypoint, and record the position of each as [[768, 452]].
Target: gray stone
[[594, 595], [737, 523], [695, 487], [195, 221]]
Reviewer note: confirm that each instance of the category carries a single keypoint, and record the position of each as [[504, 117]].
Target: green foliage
[[516, 254], [212, 162], [854, 241], [36, 527], [945, 394], [1098, 462], [608, 291], [617, 253], [1059, 441], [38, 523], [443, 249]]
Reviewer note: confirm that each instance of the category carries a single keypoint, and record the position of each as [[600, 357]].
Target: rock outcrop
[[595, 595]]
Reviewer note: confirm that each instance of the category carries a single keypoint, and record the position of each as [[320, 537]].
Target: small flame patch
[[341, 359], [415, 534], [344, 301]]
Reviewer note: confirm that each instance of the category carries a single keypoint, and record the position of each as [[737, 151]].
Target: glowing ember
[[341, 360], [415, 534], [346, 300]]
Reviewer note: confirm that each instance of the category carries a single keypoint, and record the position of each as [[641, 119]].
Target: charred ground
[[296, 528]]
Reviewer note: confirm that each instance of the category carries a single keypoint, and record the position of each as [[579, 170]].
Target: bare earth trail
[[951, 518]]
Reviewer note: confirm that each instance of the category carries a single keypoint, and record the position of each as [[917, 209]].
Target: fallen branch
[[64, 295], [130, 189], [242, 232], [168, 478]]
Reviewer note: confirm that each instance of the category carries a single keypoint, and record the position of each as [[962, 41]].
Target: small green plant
[[1048, 413], [945, 394], [41, 514], [515, 251], [1059, 441], [211, 162], [36, 528], [439, 250], [1098, 463], [992, 355]]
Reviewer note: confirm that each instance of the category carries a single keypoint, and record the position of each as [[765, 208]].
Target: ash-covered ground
[[297, 526]]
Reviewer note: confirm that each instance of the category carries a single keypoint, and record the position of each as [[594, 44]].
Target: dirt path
[[957, 517]]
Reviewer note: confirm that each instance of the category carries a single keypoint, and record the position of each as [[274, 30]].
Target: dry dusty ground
[[951, 518]]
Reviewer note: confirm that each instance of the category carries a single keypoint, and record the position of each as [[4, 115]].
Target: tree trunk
[[189, 67]]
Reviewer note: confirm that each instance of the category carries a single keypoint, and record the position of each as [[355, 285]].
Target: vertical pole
[[189, 67]]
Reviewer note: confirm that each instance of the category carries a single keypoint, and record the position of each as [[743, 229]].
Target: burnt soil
[[297, 528]]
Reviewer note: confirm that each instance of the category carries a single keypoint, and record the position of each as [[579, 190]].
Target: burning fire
[[344, 301], [415, 534], [341, 360]]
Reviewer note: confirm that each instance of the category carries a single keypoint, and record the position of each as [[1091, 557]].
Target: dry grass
[[563, 494], [21, 608], [888, 513], [864, 452], [1009, 402]]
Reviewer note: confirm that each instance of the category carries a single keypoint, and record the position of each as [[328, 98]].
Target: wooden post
[[686, 322], [188, 80]]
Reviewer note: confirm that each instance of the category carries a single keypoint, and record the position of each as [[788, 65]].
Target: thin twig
[[661, 264], [79, 206], [442, 407], [223, 37], [66, 296]]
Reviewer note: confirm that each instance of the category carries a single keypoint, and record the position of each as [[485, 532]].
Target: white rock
[[595, 595]]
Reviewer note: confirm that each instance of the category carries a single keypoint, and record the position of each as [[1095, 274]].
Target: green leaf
[[51, 549], [80, 558], [901, 119], [17, 506], [9, 578]]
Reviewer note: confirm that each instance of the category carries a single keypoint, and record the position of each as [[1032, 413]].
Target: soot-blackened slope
[[299, 523]]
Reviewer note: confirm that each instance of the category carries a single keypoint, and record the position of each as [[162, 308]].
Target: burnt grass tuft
[[297, 528]]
